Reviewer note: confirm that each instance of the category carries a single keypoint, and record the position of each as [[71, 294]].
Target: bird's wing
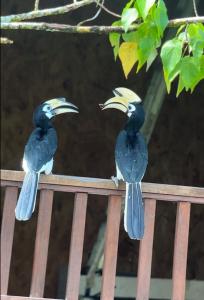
[[40, 149], [131, 161]]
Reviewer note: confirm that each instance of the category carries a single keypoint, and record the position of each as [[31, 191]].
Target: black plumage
[[39, 152], [131, 158], [131, 161]]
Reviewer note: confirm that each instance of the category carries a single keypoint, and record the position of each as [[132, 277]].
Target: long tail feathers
[[134, 211], [27, 197]]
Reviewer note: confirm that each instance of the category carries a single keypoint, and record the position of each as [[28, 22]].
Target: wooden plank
[[76, 248], [160, 288], [180, 251], [7, 233], [175, 198], [145, 252], [109, 192], [41, 244], [111, 248], [107, 184], [10, 297]]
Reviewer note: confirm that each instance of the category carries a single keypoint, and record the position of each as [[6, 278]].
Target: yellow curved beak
[[120, 103], [123, 97], [60, 106], [127, 93]]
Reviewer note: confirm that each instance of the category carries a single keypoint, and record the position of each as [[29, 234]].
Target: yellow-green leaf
[[128, 56]]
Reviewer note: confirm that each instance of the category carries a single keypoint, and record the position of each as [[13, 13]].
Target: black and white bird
[[39, 152], [131, 158]]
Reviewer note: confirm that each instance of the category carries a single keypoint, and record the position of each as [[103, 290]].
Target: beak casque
[[123, 97], [130, 95], [60, 106]]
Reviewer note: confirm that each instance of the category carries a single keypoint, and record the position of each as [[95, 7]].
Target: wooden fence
[[82, 187]]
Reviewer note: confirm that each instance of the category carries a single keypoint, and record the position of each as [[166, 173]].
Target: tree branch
[[108, 10], [36, 5], [52, 27], [195, 8], [46, 12]]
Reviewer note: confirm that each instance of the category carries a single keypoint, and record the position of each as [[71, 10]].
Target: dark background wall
[[41, 66]]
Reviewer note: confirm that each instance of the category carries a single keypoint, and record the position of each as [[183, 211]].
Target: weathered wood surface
[[41, 244], [180, 251], [111, 248], [81, 187], [7, 233], [145, 252], [70, 183], [76, 247]]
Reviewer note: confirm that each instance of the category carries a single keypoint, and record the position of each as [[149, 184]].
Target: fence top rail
[[103, 184]]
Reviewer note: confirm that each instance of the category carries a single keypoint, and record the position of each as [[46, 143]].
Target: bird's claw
[[115, 180]]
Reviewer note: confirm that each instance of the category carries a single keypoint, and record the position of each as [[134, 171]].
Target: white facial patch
[[48, 111], [131, 109]]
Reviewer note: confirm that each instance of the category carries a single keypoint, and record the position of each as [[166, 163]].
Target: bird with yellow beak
[[39, 152], [131, 158]]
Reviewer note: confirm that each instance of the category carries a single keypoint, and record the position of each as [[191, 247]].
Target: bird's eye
[[48, 108], [131, 108]]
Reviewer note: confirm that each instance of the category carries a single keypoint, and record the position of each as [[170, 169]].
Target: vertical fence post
[[145, 252], [41, 244], [180, 250], [111, 248], [7, 233], [76, 247]]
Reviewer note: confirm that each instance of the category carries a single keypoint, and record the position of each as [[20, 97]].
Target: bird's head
[[51, 108], [125, 100]]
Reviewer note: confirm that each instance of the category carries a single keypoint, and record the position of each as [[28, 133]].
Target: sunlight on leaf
[[128, 17], [144, 7]]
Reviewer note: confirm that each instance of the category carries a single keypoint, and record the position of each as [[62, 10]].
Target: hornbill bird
[[131, 158], [39, 152]]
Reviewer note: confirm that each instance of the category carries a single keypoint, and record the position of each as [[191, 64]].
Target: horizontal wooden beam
[[61, 182], [9, 297], [125, 288]]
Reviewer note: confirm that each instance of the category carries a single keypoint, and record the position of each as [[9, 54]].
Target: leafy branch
[[55, 27], [46, 12], [182, 57], [136, 36]]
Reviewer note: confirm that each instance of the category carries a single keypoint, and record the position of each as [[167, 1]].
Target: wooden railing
[[184, 196]]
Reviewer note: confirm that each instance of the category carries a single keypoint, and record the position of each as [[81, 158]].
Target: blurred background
[[81, 67]]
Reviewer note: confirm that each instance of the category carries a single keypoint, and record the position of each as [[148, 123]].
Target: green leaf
[[159, 14], [151, 58], [180, 29], [128, 17], [196, 38], [147, 40], [130, 36], [129, 4], [202, 66], [190, 73], [180, 86], [171, 53], [114, 39], [144, 6], [128, 56]]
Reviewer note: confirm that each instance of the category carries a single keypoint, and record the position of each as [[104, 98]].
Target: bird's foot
[[115, 180]]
